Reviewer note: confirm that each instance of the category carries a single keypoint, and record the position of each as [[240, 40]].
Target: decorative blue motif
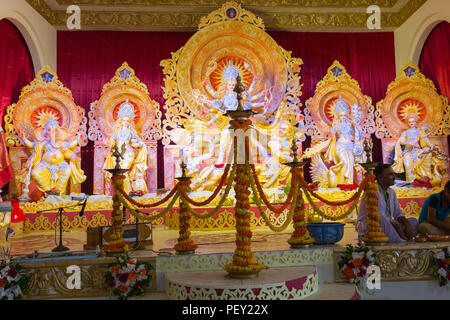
[[409, 72], [336, 71], [231, 13], [125, 73], [47, 77]]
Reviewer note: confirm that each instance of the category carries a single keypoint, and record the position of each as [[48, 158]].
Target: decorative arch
[[421, 34], [412, 92], [336, 83], [34, 43], [17, 68]]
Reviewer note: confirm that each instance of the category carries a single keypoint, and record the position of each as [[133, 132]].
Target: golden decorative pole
[[300, 237], [114, 235], [243, 265], [184, 245], [373, 234]]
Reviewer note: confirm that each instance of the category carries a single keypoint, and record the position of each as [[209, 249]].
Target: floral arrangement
[[14, 281], [354, 262], [441, 266], [373, 232], [128, 277]]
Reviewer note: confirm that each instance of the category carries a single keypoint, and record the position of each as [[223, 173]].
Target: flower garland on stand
[[244, 264], [14, 281], [441, 265], [128, 277], [373, 232], [184, 243], [116, 243], [301, 235], [354, 262]]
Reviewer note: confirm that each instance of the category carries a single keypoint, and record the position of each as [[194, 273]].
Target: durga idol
[[47, 166], [134, 157]]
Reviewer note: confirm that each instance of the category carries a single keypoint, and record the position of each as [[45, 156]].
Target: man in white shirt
[[392, 220]]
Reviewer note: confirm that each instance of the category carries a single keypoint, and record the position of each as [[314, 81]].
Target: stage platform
[[98, 211], [402, 265]]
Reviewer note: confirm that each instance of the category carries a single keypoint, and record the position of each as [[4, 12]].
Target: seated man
[[434, 217], [392, 221]]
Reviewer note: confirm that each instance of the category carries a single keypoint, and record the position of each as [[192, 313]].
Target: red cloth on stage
[[346, 187], [88, 59], [16, 213]]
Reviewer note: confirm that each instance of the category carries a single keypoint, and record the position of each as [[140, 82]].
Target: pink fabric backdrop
[[16, 65], [16, 71], [88, 59]]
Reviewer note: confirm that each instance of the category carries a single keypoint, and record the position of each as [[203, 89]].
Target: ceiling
[[184, 15]]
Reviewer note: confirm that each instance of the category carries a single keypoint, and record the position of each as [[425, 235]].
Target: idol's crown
[[126, 109], [230, 72]]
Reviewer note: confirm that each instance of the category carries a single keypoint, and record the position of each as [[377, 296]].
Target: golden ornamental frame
[[124, 85], [229, 31], [44, 98], [411, 84], [337, 82], [45, 91]]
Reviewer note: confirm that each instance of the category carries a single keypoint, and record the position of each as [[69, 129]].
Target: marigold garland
[[213, 195], [301, 234], [323, 214], [184, 241], [263, 213], [243, 259], [116, 242], [118, 188], [263, 196], [140, 216], [373, 232], [221, 202]]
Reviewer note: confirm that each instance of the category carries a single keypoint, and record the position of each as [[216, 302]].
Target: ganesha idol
[[53, 161]]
